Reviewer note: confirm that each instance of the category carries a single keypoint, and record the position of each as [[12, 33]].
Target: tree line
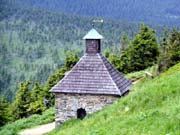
[[141, 52], [32, 97], [145, 50], [159, 12], [34, 42]]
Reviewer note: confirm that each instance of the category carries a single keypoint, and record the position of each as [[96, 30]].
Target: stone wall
[[66, 105]]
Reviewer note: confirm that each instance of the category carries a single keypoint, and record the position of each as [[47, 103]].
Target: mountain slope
[[33, 41], [166, 12], [152, 107]]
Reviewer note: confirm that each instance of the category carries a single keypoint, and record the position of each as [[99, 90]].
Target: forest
[[37, 48], [166, 12], [34, 42], [140, 53]]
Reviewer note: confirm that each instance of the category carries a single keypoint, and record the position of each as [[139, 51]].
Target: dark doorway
[[81, 113]]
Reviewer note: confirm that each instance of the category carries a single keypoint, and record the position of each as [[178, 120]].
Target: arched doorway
[[81, 113]]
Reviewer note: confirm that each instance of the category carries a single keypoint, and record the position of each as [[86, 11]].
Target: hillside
[[33, 42], [166, 12], [152, 107]]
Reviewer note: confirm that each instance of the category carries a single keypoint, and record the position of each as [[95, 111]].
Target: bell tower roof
[[93, 34]]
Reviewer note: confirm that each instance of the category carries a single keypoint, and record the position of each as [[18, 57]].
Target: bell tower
[[93, 42]]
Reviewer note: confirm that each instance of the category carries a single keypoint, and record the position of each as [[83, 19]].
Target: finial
[[93, 24]]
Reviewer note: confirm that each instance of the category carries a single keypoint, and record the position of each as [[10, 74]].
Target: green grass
[[140, 74], [32, 121], [151, 108]]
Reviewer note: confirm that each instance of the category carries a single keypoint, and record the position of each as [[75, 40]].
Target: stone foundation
[[66, 105]]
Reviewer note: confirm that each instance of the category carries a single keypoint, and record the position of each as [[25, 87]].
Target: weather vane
[[100, 21]]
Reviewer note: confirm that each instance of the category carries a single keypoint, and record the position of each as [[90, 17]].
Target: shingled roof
[[93, 74]]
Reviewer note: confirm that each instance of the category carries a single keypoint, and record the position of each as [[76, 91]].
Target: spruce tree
[[174, 49], [71, 59], [36, 105], [144, 49], [107, 52], [5, 112], [163, 57], [124, 42], [22, 101]]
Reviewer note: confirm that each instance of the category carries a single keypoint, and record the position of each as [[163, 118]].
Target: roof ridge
[[101, 56], [104, 59]]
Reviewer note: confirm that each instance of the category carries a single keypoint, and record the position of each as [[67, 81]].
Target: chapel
[[90, 85]]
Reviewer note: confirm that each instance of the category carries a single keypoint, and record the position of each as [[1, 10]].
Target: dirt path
[[39, 130]]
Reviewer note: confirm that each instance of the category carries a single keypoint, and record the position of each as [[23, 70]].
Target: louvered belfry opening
[[93, 42], [93, 46]]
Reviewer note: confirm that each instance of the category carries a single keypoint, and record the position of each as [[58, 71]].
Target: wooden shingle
[[93, 74]]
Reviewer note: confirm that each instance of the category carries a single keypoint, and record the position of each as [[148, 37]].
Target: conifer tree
[[71, 59], [144, 50], [22, 101], [36, 105], [170, 50], [107, 52], [124, 42], [5, 112], [115, 60], [174, 49], [52, 80], [163, 57]]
